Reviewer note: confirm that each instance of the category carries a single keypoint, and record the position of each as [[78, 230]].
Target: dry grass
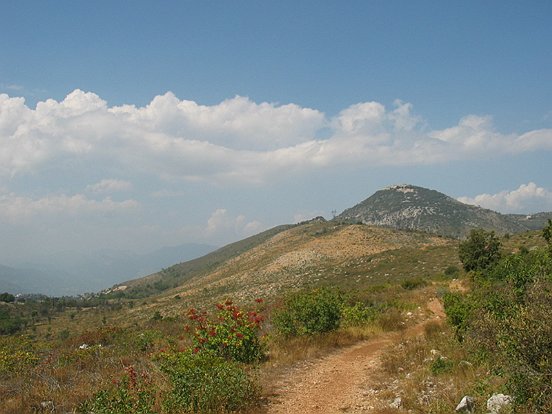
[[287, 351], [433, 372]]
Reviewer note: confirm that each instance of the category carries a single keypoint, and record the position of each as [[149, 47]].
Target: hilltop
[[416, 208]]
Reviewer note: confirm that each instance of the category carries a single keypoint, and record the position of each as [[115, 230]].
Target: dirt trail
[[341, 382]]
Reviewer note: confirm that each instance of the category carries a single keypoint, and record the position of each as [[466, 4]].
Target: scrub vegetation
[[215, 343]]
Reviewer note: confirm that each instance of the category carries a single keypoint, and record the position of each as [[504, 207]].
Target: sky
[[133, 125]]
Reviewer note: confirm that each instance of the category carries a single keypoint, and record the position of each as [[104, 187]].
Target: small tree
[[480, 250], [547, 234]]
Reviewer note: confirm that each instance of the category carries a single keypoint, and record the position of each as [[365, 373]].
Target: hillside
[[389, 279], [293, 257], [417, 208], [173, 276]]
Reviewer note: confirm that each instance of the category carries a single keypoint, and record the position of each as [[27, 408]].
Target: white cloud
[[235, 140], [13, 87], [15, 207], [235, 123], [527, 198], [109, 185], [223, 225]]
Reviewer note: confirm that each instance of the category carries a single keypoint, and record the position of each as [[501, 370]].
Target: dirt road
[[344, 381]]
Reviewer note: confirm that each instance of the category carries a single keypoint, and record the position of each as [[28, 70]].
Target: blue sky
[[154, 123]]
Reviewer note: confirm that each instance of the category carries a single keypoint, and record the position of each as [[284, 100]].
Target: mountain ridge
[[409, 207]]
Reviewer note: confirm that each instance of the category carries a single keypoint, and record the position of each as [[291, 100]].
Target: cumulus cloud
[[234, 140], [15, 207], [222, 224], [527, 198], [109, 185]]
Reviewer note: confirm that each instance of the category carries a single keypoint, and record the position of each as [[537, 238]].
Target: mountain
[[27, 280], [416, 208], [71, 273], [535, 221]]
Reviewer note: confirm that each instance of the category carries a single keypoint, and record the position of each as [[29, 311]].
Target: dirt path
[[343, 381]]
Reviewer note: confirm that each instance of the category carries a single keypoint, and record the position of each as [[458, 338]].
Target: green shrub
[[520, 270], [547, 235], [17, 355], [157, 316], [525, 344], [451, 271], [7, 297], [357, 314], [146, 340], [9, 324], [132, 394], [440, 365], [458, 310], [204, 382], [310, 312], [507, 320], [414, 283]]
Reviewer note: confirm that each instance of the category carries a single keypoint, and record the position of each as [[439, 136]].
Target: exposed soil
[[345, 381]]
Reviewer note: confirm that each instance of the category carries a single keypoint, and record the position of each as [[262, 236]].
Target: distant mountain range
[[409, 207], [70, 273]]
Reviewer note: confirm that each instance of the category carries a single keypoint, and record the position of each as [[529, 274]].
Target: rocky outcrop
[[497, 403], [466, 405]]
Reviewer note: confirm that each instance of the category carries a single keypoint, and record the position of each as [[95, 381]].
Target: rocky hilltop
[[417, 208]]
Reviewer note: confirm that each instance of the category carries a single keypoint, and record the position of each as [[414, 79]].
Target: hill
[[285, 258], [417, 208]]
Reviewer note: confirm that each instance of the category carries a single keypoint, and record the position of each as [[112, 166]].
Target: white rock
[[397, 402], [497, 402], [466, 405]]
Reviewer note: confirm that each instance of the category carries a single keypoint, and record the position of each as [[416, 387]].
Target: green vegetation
[[7, 297], [9, 323], [108, 353], [132, 394], [547, 234], [507, 321], [205, 372], [310, 312], [480, 251], [204, 382], [413, 283]]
